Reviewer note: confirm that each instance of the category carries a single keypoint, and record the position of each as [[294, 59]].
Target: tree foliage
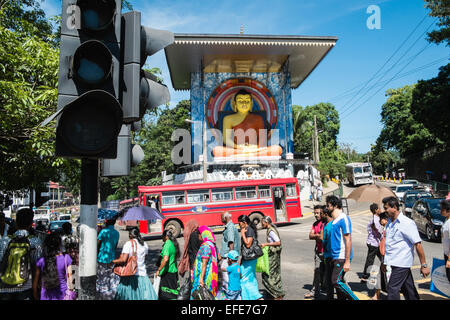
[[28, 94], [401, 131], [27, 18], [441, 10], [430, 104], [332, 156]]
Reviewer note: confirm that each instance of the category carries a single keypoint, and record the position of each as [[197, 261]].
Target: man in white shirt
[[445, 232], [401, 238]]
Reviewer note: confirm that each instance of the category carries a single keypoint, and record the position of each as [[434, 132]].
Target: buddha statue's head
[[242, 102]]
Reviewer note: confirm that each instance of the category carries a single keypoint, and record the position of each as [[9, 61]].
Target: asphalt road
[[297, 257]]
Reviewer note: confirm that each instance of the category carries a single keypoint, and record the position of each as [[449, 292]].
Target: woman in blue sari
[[249, 283]]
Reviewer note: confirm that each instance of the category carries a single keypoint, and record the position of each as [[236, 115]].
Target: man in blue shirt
[[231, 240], [341, 248], [401, 238]]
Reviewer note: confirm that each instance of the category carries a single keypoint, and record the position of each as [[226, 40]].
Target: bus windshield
[[357, 170]]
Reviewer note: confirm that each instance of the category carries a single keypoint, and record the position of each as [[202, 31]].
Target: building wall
[[203, 84]]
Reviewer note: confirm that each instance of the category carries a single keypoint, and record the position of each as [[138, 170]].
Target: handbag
[[130, 268], [69, 294], [202, 293], [254, 252]]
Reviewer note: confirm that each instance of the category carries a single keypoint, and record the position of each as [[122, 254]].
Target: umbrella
[[142, 213], [107, 214], [371, 193]]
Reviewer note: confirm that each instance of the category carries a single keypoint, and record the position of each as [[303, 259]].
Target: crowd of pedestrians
[[392, 237], [46, 270]]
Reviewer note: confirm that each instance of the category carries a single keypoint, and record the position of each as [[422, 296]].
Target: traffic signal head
[[139, 89], [127, 156], [89, 73]]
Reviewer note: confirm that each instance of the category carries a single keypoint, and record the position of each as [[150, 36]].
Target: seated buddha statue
[[241, 131]]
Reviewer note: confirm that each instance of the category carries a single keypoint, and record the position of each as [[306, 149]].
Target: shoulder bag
[[254, 252], [130, 268]]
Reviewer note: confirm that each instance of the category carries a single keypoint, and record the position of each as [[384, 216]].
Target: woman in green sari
[[272, 281], [167, 270]]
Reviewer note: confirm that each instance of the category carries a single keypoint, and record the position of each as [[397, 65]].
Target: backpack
[[15, 267]]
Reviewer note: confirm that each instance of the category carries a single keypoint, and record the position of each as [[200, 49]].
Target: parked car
[[56, 226], [410, 197], [401, 189], [426, 213], [41, 224], [415, 183], [66, 217]]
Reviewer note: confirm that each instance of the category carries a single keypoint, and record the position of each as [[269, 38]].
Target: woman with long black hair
[[52, 270], [249, 283], [137, 286], [167, 270]]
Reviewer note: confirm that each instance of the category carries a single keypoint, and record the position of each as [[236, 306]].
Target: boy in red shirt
[[319, 266]]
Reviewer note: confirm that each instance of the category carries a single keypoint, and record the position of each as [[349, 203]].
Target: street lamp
[[205, 171]]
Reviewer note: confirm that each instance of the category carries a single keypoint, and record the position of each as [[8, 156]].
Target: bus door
[[279, 203], [152, 200]]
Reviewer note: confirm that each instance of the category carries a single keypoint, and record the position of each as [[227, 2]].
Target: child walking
[[233, 292]]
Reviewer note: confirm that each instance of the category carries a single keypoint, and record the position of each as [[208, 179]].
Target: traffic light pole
[[88, 229]]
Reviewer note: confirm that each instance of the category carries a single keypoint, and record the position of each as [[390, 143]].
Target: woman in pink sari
[[205, 271]]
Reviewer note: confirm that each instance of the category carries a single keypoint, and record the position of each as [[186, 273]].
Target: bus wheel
[[175, 227], [256, 219]]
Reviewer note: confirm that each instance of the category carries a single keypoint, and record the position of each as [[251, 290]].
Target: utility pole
[[316, 137], [88, 228], [313, 148]]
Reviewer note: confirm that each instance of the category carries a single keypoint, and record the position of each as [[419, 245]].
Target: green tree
[[27, 18], [332, 159], [401, 131], [441, 10], [28, 94], [430, 102]]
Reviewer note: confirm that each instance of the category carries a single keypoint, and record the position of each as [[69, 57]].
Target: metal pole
[[205, 171], [88, 229], [316, 135]]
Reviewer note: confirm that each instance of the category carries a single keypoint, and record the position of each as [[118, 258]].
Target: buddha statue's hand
[[247, 148]]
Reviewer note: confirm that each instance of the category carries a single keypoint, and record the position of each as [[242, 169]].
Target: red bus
[[277, 198]]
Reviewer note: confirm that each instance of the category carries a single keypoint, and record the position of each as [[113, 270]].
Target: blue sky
[[358, 55]]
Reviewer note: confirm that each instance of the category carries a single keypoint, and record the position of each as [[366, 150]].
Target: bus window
[[245, 192], [174, 197], [291, 190], [223, 194], [196, 196], [264, 191], [357, 170]]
